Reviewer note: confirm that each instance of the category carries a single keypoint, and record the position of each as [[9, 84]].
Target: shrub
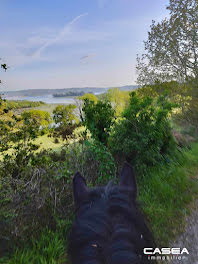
[[100, 155], [37, 193], [143, 136], [98, 118]]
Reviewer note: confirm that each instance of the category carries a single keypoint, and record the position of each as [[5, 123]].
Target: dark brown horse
[[109, 227]]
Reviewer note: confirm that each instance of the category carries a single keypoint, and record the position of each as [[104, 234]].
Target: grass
[[50, 249], [46, 142], [47, 107], [167, 193]]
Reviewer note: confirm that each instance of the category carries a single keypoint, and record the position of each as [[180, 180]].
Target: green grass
[[47, 107], [167, 193], [50, 249], [46, 142]]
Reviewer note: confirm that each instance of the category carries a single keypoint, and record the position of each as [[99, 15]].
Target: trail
[[189, 239]]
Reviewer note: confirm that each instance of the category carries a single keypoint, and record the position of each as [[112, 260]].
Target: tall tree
[[171, 50]]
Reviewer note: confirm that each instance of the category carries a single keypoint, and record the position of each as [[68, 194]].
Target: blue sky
[[73, 43]]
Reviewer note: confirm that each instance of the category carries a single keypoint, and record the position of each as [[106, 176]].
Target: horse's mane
[[90, 230], [109, 228], [130, 233]]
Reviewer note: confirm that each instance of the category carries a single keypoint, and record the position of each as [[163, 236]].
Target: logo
[[166, 253]]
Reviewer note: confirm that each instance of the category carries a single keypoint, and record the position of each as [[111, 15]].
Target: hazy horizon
[[83, 87], [59, 44]]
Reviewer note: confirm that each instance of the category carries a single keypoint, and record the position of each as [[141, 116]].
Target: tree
[[118, 99], [89, 96], [171, 50], [81, 100], [35, 123], [98, 118], [2, 101], [4, 67], [64, 115], [66, 120]]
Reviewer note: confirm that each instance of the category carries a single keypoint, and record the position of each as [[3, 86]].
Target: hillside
[[41, 92]]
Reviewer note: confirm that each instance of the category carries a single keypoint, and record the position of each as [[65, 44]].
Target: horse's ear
[[127, 177], [80, 189]]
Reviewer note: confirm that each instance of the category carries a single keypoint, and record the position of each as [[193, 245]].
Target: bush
[[39, 195], [143, 136], [100, 155], [98, 118]]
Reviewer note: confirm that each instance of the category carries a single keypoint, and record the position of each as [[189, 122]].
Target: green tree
[[35, 123], [171, 50], [64, 115], [66, 119], [89, 96], [81, 100], [143, 136], [98, 118], [119, 99]]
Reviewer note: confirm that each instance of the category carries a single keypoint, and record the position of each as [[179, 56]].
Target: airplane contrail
[[60, 35]]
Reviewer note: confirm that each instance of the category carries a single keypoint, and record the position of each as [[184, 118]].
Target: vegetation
[[66, 121], [167, 190], [171, 47], [152, 127], [143, 135], [89, 96], [119, 99], [13, 104], [98, 118], [68, 94]]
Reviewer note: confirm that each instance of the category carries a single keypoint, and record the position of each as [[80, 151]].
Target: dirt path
[[189, 239]]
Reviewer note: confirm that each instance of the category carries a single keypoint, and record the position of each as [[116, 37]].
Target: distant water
[[49, 99]]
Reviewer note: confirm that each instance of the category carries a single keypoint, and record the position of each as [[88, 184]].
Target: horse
[[109, 227]]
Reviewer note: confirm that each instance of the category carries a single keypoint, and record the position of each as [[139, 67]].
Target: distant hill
[[40, 92]]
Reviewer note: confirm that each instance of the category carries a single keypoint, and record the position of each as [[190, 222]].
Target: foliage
[[36, 192], [119, 99], [66, 121], [166, 193], [184, 95], [143, 136], [171, 47], [32, 196], [98, 118], [4, 67], [49, 249], [35, 122], [89, 96], [81, 100], [64, 115], [106, 165], [17, 104], [68, 94]]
